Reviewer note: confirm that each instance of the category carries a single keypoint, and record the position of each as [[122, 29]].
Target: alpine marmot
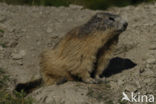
[[84, 49]]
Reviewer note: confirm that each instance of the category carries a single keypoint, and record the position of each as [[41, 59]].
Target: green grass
[[2, 31], [14, 98], [8, 97], [3, 45]]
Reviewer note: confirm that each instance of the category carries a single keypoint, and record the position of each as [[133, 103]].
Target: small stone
[[22, 52], [69, 20], [151, 61], [11, 29], [120, 82], [19, 62], [16, 56], [23, 30], [147, 80], [19, 55], [150, 54], [1, 56], [12, 44], [138, 84], [148, 73], [113, 85], [152, 47], [1, 34], [2, 18], [38, 43], [130, 88], [1, 48], [49, 30], [141, 70]]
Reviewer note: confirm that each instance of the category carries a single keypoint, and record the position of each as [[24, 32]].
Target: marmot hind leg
[[49, 80], [83, 72], [54, 79]]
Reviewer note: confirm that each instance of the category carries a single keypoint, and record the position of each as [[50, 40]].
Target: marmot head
[[104, 21]]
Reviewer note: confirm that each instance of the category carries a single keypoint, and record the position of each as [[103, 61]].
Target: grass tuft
[[8, 97], [2, 31], [3, 45]]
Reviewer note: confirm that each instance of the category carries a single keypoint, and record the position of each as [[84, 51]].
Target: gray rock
[[151, 61], [152, 47], [1, 34], [147, 80], [114, 85], [49, 30], [148, 73], [131, 88], [19, 55], [138, 84], [12, 43], [149, 66], [1, 48], [120, 82], [19, 62], [2, 18], [68, 93], [24, 30], [1, 56]]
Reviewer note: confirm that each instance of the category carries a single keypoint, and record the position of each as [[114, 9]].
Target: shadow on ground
[[117, 65]]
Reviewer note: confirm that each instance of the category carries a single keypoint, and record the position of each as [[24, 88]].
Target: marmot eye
[[112, 19]]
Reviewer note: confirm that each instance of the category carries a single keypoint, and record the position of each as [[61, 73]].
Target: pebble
[[150, 54], [152, 47], [141, 70], [19, 55], [1, 34], [11, 29], [120, 82], [113, 85], [151, 61], [138, 84], [149, 66], [2, 18], [49, 30], [131, 88], [1, 48], [12, 44], [24, 30], [19, 62], [147, 80], [148, 73]]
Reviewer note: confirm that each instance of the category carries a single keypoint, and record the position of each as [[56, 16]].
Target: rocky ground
[[27, 31]]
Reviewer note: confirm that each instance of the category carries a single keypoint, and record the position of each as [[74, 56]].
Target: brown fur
[[76, 54]]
